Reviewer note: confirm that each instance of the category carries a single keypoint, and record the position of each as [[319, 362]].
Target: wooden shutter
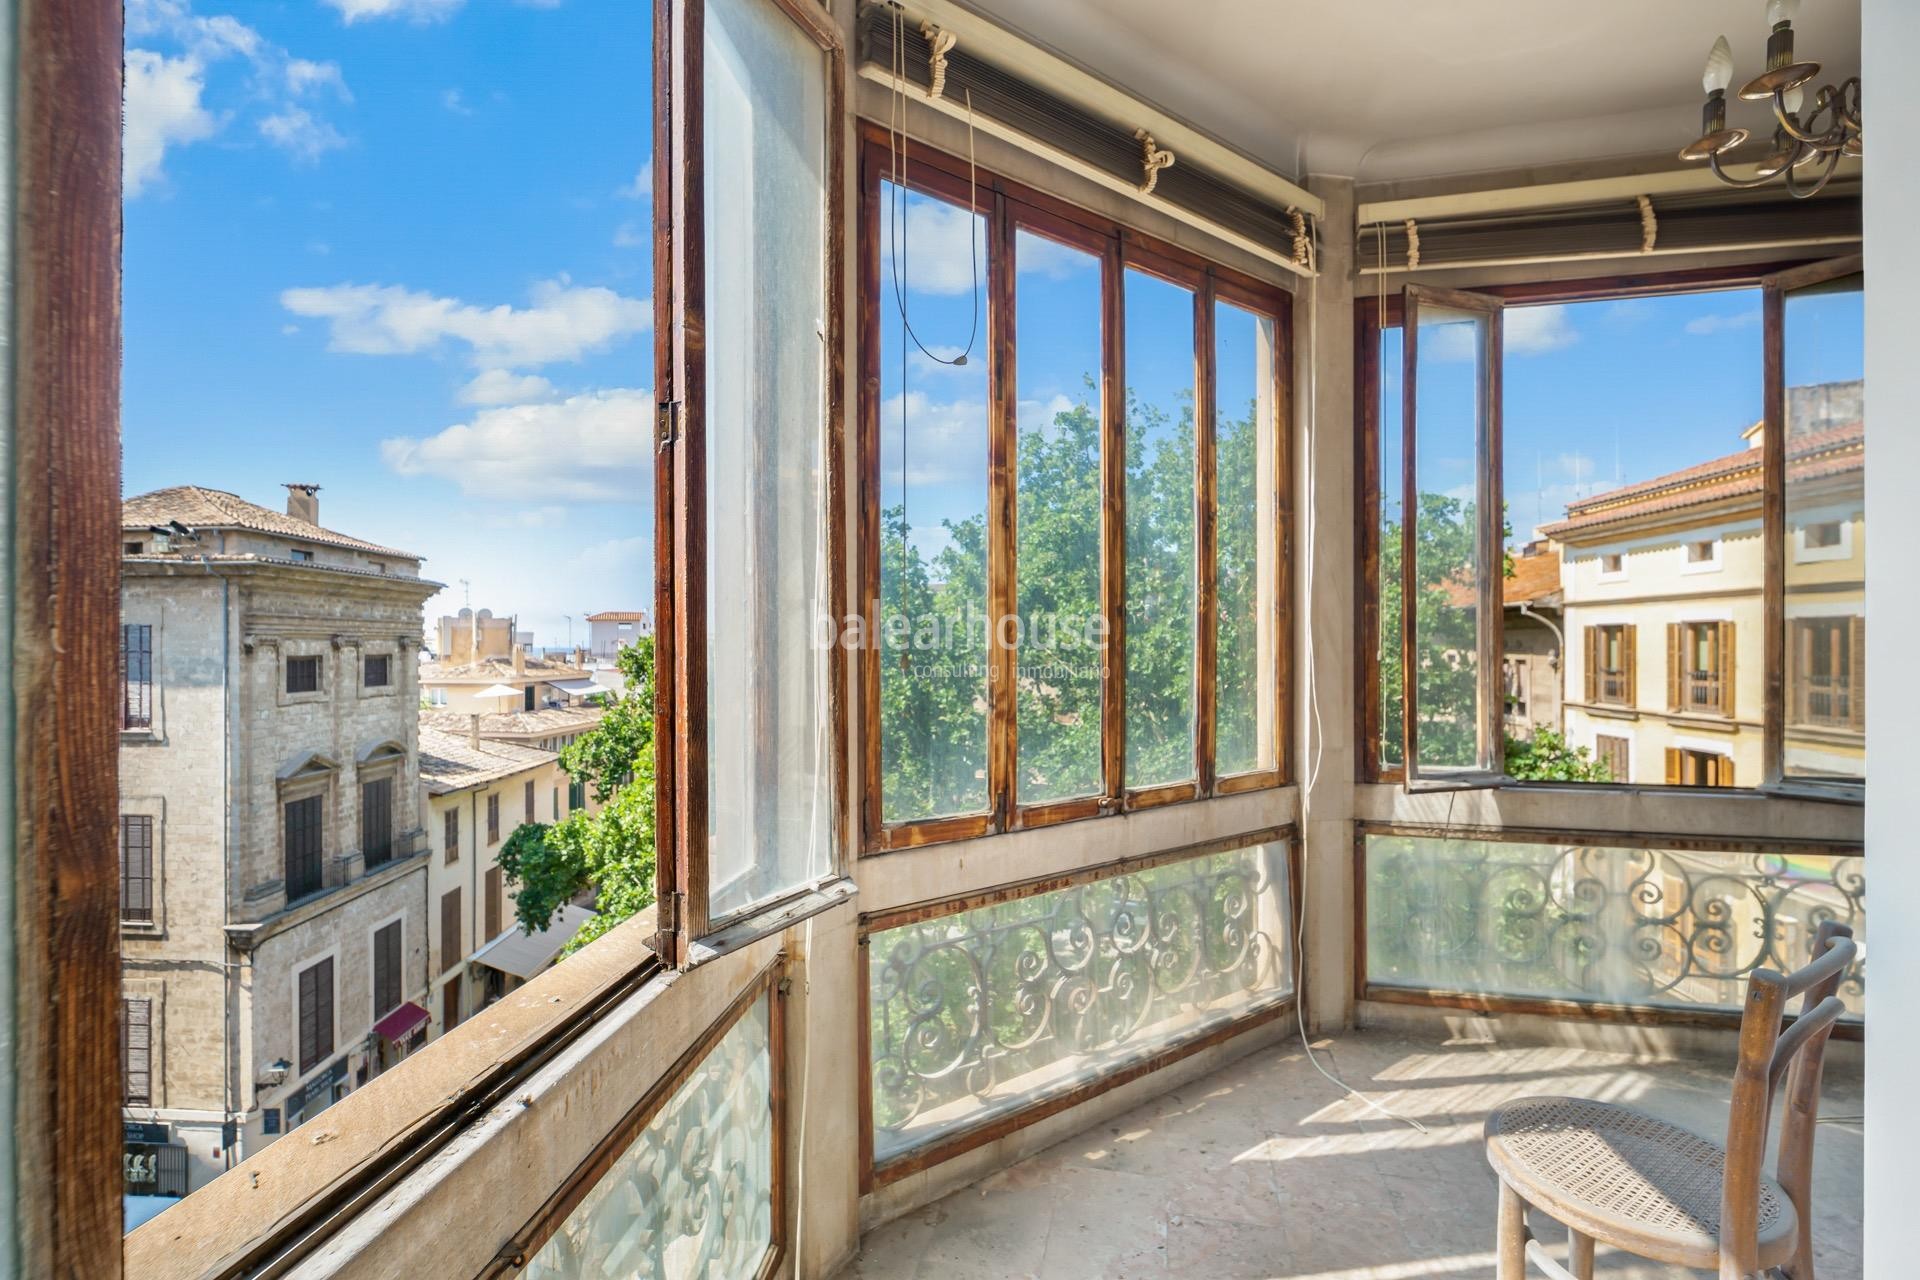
[[1675, 766], [1629, 665], [1593, 664], [1676, 652], [1857, 672], [136, 868], [452, 835], [1724, 672], [450, 949], [527, 800], [1723, 775], [316, 1014], [386, 970], [493, 818], [136, 1050], [493, 903]]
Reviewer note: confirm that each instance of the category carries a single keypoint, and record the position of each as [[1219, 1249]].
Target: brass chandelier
[[1813, 142]]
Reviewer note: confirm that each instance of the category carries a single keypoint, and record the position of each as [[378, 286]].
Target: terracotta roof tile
[[450, 762], [202, 508]]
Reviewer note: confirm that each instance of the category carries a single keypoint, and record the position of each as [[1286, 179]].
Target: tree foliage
[[612, 851], [1546, 757]]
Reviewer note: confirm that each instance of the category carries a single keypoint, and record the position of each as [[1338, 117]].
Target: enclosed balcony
[[1238, 596]]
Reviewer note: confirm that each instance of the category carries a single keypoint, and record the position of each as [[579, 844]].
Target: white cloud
[[501, 386], [454, 101], [412, 10], [1704, 325], [641, 188], [297, 132], [947, 441], [630, 235], [1051, 260], [1035, 414], [617, 560], [933, 256], [1527, 331], [565, 322], [167, 90], [594, 447], [163, 109]]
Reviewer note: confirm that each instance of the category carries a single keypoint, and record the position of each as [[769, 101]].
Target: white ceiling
[[1388, 89]]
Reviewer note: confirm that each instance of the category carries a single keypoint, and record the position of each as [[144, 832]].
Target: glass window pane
[[1062, 630], [933, 496], [1161, 569], [692, 1197], [1393, 736], [1826, 546], [983, 1012], [770, 820], [1609, 925], [1245, 571], [1452, 351]]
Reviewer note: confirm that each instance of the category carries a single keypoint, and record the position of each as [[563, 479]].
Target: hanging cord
[[1313, 701]]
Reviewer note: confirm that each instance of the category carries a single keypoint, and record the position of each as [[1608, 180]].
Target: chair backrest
[[1767, 1054]]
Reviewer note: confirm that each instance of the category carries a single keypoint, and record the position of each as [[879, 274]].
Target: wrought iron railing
[[984, 1011], [1824, 700], [1598, 924]]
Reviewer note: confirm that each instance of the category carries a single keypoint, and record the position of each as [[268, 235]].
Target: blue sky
[[401, 248], [1600, 394]]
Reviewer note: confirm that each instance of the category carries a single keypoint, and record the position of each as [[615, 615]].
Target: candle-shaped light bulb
[[1719, 72], [1779, 11], [1792, 99]]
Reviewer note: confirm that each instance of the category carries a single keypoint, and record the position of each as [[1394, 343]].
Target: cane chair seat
[[1628, 1179]]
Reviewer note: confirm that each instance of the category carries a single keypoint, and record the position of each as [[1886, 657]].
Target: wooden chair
[[1623, 1178]]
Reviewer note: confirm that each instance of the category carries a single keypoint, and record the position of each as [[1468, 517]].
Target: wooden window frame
[[450, 834], [1774, 290], [384, 975], [493, 818], [323, 1007], [136, 694], [680, 450], [1376, 311], [298, 661], [385, 669], [1595, 639], [1009, 207], [141, 915], [1850, 640]]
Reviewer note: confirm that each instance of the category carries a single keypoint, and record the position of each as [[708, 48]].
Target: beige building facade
[[269, 833]]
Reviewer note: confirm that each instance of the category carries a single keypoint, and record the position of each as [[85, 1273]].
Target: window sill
[[1704, 723]]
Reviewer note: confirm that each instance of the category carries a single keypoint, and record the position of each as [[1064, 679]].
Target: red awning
[[399, 1024]]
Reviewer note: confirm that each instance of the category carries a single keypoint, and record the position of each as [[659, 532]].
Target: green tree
[[611, 851], [1546, 757]]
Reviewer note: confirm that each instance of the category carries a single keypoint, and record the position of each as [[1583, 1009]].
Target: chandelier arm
[[1828, 139], [1800, 193], [1713, 161], [1850, 114]]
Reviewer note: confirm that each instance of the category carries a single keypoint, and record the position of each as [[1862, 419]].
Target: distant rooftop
[[489, 670], [450, 762], [202, 508], [517, 724], [618, 615]]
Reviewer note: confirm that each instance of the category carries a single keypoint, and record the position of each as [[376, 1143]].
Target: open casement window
[[1814, 442], [1453, 543], [747, 352]]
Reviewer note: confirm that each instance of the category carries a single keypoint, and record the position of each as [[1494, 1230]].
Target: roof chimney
[[473, 732], [519, 659], [303, 502]]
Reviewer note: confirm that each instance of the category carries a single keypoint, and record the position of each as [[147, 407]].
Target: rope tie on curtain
[[940, 42], [1152, 160], [1302, 242], [1413, 245], [1649, 225]]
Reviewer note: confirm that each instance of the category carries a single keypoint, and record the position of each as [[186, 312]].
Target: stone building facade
[[270, 829]]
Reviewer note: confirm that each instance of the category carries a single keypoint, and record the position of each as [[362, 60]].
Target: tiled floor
[[1263, 1170]]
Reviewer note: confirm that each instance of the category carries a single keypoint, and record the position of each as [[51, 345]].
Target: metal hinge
[[667, 424], [676, 904]]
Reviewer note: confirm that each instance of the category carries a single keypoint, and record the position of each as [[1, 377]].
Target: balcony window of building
[[136, 868], [1616, 754], [376, 822], [450, 835], [1823, 657], [377, 670], [1700, 668], [496, 900], [303, 675], [136, 1050], [136, 676], [451, 950], [315, 984], [493, 818], [1688, 767], [386, 969], [1611, 665], [305, 827]]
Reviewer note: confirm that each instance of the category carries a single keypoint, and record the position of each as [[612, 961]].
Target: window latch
[[667, 424]]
